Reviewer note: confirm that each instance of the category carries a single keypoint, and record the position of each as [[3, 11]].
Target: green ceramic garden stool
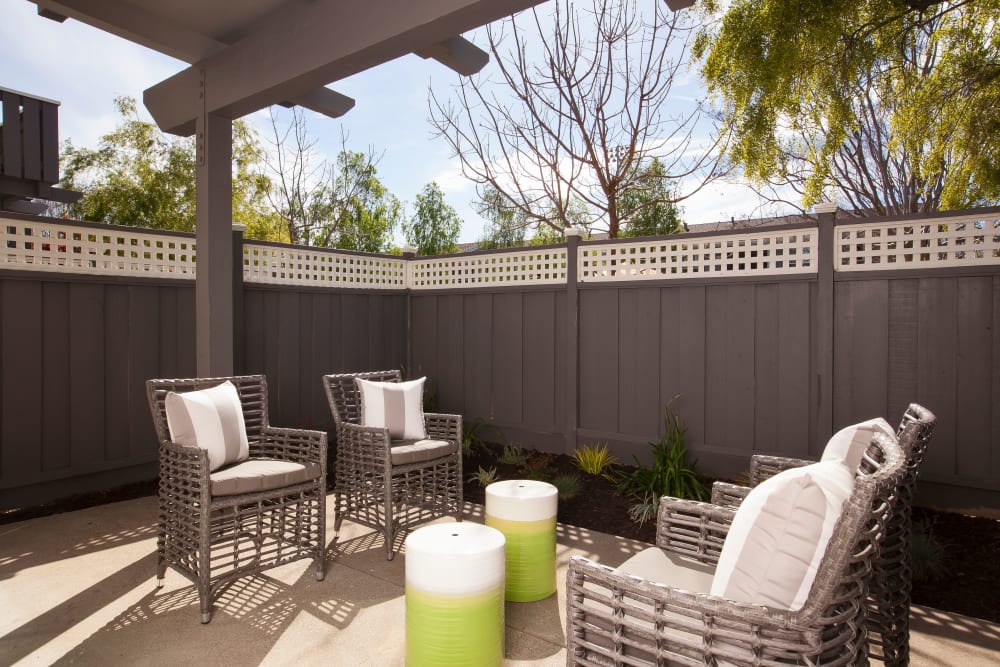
[[454, 596], [525, 512]]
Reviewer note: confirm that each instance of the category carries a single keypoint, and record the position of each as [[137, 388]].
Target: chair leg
[[205, 601], [320, 566]]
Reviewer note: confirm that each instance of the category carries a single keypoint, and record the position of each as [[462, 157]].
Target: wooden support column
[[214, 284], [826, 213], [572, 350]]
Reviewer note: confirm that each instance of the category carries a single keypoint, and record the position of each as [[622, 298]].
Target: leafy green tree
[[138, 176], [649, 208], [434, 226], [339, 205], [506, 224], [888, 106]]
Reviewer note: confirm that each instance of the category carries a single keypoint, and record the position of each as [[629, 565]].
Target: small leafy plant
[[484, 476], [670, 474], [595, 460], [927, 554], [538, 466], [472, 437], [514, 455], [568, 485]]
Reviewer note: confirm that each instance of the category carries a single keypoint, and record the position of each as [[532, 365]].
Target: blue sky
[[85, 69]]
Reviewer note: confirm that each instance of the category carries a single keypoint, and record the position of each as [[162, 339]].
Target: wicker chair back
[[342, 393], [251, 388]]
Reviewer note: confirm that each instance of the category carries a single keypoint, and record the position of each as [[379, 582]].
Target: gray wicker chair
[[373, 490], [622, 619], [214, 539], [891, 586]]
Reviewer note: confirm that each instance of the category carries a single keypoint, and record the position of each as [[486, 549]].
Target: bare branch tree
[[340, 204], [577, 107]]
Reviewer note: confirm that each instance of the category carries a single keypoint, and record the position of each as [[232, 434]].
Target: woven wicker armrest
[[184, 473], [610, 613], [693, 529], [363, 444], [291, 444], [725, 494], [443, 427], [762, 466]]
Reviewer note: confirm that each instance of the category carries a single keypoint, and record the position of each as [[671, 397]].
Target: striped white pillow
[[211, 419], [396, 406], [779, 535], [850, 443]]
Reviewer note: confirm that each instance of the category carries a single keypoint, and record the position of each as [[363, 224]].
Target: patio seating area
[[80, 588]]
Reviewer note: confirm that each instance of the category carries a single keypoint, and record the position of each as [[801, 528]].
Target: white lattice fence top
[[281, 265], [968, 240], [68, 248], [544, 266], [754, 254]]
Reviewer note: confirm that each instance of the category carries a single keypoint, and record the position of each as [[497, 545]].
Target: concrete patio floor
[[79, 588]]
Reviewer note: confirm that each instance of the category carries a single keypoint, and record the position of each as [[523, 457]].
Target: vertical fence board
[[688, 341], [477, 355], [253, 331], [768, 413], [424, 326], [639, 402], [974, 364], [187, 360], [449, 375], [321, 346], [903, 364], [561, 336], [144, 346], [729, 383], [794, 373], [307, 376], [937, 380], [55, 337], [539, 363], [86, 370], [865, 347], [116, 345], [283, 387], [21, 380], [599, 359], [508, 357]]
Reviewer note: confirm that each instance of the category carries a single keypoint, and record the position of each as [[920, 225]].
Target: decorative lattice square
[[968, 240], [542, 266]]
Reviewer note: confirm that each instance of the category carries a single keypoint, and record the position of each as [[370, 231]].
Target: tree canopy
[[576, 100], [138, 176], [888, 106], [434, 226]]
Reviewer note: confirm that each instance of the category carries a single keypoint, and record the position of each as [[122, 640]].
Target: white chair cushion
[[211, 419], [655, 564], [779, 535], [849, 443], [396, 406]]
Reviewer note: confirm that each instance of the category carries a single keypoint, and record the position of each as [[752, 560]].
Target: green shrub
[[568, 485], [484, 476], [472, 436], [538, 465], [644, 510], [595, 460], [514, 455], [927, 554], [670, 474]]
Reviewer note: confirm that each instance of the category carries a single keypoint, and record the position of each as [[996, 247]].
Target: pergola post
[[214, 235]]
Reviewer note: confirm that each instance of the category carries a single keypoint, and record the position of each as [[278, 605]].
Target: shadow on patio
[[79, 588]]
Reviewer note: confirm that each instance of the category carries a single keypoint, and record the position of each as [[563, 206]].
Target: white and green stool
[[454, 596], [525, 512]]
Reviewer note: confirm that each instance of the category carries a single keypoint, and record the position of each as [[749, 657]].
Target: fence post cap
[[409, 250], [572, 231], [239, 227], [826, 207]]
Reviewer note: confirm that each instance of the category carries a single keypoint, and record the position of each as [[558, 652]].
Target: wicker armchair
[[377, 487], [891, 586], [615, 618], [214, 535]]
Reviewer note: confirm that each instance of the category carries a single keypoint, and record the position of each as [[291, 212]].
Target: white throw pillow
[[779, 535], [211, 419], [849, 444], [396, 406]]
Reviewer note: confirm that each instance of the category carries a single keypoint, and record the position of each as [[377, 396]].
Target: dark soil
[[968, 583]]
